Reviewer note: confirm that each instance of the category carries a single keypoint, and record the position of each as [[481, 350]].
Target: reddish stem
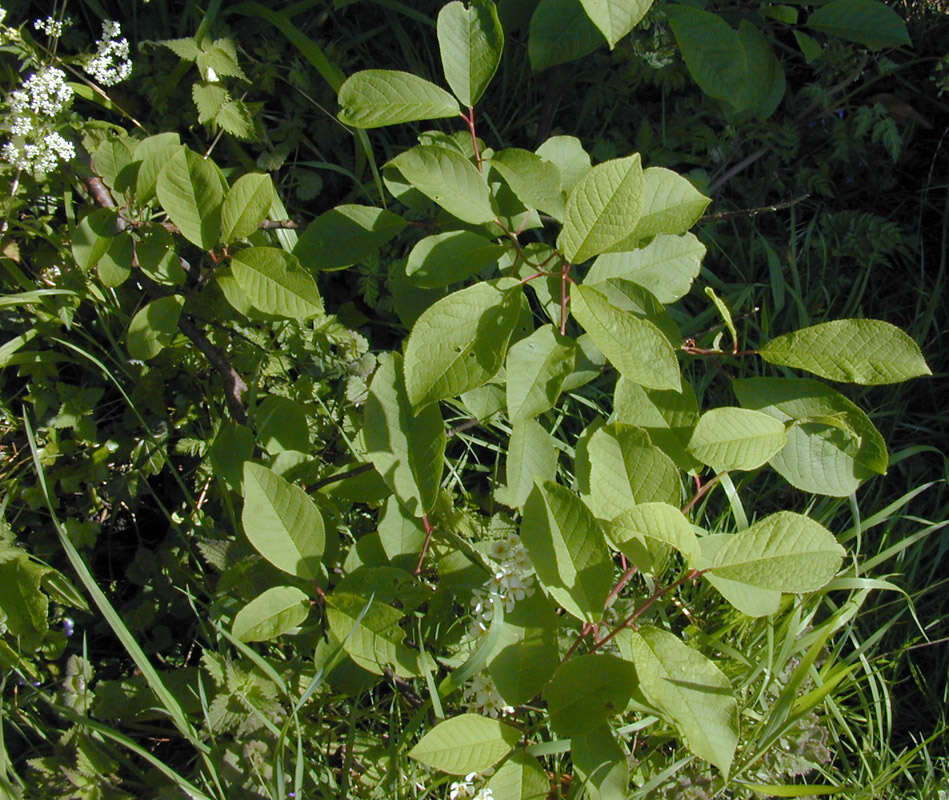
[[469, 118], [624, 579], [428, 540], [701, 491]]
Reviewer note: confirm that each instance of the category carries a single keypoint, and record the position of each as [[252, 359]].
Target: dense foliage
[[538, 399]]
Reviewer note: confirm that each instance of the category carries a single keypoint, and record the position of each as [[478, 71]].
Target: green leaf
[[233, 445], [190, 189], [627, 469], [154, 326], [466, 743], [658, 521], [521, 777], [450, 257], [587, 690], [219, 55], [470, 41], [602, 209], [528, 653], [460, 342], [666, 266], [634, 346], [867, 22], [667, 417], [115, 265], [273, 281], [568, 550], [282, 425], [670, 204], [209, 99], [346, 235], [818, 458], [560, 31], [765, 82], [407, 450], [534, 180], [601, 763], [154, 152], [736, 438], [246, 205], [810, 47], [157, 258], [23, 606], [370, 633], [237, 119], [568, 155], [691, 691], [865, 351], [376, 97], [185, 49], [536, 368], [282, 523], [751, 600], [615, 18], [448, 178], [531, 456], [785, 552], [711, 49], [92, 237], [271, 614], [110, 158]]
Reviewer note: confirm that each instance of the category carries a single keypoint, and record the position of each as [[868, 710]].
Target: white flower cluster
[[44, 93], [110, 64], [464, 789], [483, 697], [51, 26], [511, 581], [35, 148]]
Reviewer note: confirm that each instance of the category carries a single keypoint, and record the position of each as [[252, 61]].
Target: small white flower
[[484, 794], [45, 93], [51, 26], [21, 125], [110, 64], [461, 790]]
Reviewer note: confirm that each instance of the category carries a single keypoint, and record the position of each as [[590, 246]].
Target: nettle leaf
[[691, 691], [670, 205], [658, 521], [407, 450], [587, 690], [245, 206], [634, 346], [531, 457], [153, 152], [154, 326], [191, 191], [283, 523], [209, 99], [568, 550], [867, 22], [627, 469], [219, 57], [866, 351], [602, 209], [536, 368], [820, 458], [615, 19], [667, 417], [666, 266], [460, 342], [448, 178], [785, 552], [346, 235], [185, 49], [370, 633], [236, 118], [560, 31], [470, 41], [535, 181], [568, 155], [373, 98], [271, 614], [445, 258], [711, 49], [466, 743], [736, 438], [274, 282]]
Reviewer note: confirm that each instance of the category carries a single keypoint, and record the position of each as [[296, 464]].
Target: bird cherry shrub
[[582, 629]]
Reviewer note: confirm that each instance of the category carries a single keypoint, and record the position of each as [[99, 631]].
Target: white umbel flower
[[110, 64], [44, 93]]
